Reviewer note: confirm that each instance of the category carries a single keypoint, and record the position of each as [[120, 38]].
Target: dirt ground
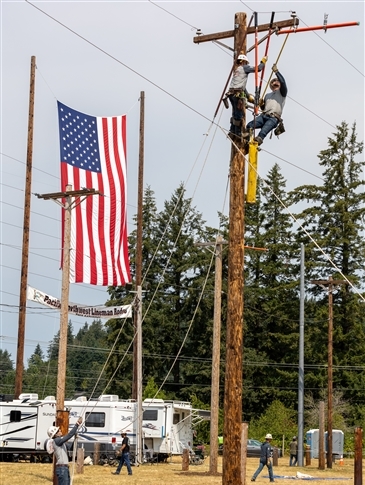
[[171, 473]]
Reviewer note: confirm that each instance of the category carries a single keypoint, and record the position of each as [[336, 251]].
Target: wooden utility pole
[[62, 415], [321, 460], [214, 398], [234, 338], [358, 475], [25, 246], [330, 283], [137, 336], [216, 352]]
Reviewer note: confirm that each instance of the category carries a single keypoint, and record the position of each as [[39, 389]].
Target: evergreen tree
[[271, 298], [7, 373], [334, 219]]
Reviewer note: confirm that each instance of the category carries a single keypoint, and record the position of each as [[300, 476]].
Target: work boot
[[259, 140]]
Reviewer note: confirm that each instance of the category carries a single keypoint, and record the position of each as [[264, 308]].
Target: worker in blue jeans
[[265, 459], [124, 457], [272, 108]]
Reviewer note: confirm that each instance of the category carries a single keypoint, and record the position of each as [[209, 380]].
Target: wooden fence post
[[185, 460]]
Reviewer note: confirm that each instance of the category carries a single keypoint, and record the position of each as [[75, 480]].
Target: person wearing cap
[[293, 450], [61, 452], [265, 459], [272, 107], [124, 457], [237, 91]]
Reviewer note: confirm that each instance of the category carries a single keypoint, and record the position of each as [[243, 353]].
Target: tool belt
[[280, 126]]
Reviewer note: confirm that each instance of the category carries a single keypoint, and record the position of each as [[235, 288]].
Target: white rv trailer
[[24, 423], [167, 426]]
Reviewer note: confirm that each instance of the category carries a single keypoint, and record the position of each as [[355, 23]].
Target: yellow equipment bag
[[252, 172]]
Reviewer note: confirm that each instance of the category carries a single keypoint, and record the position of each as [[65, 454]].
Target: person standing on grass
[[124, 457], [265, 459], [293, 450], [61, 452]]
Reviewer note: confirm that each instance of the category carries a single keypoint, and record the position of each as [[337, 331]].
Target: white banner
[[99, 311]]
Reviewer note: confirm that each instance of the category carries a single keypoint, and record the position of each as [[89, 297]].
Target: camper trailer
[[23, 425], [167, 426]]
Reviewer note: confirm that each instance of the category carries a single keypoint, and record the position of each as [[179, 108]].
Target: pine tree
[[334, 219]]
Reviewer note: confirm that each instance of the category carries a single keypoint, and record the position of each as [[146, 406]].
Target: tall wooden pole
[[62, 415], [62, 349], [137, 335], [139, 375], [321, 464], [301, 361], [330, 374], [234, 338], [330, 283], [25, 246], [214, 406]]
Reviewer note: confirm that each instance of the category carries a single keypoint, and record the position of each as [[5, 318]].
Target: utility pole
[[301, 362], [234, 339], [25, 246], [216, 352], [79, 197], [214, 399], [330, 283], [139, 374], [137, 385], [138, 336]]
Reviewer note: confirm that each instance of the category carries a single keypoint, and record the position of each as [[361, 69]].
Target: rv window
[[95, 420], [150, 415], [15, 416], [176, 418]]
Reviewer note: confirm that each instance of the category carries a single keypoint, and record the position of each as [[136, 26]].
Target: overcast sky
[[97, 57]]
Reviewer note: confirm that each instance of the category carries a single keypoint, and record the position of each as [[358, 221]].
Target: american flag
[[93, 155]]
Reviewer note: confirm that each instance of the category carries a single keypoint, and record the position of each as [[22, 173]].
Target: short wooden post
[[185, 460], [80, 456], [244, 436], [275, 456], [96, 457], [358, 457], [307, 455]]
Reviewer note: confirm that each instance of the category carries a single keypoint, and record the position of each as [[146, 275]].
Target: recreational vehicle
[[167, 426]]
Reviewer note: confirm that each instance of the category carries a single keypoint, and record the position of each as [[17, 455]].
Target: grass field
[[171, 474]]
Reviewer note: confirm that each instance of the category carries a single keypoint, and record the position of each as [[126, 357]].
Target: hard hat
[[52, 431], [242, 57], [268, 436]]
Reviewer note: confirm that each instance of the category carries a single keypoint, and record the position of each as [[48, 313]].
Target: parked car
[[253, 448]]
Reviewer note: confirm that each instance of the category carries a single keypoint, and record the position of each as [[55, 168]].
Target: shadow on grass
[[199, 474]]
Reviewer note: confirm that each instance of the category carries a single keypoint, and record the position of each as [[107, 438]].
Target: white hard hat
[[242, 57], [268, 436], [52, 431]]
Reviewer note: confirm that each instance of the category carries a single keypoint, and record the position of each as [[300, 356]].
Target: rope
[[266, 53], [74, 450], [281, 50]]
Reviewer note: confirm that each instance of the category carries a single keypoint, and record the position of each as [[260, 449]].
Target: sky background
[[97, 57]]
